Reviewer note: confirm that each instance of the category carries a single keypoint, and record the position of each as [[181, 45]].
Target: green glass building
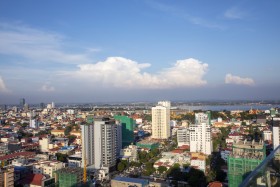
[[127, 129], [245, 157], [69, 177]]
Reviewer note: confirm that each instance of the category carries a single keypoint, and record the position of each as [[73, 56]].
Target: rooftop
[[132, 180]]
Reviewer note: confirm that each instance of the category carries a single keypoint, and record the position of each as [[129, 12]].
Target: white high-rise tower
[[200, 135], [161, 120], [88, 142]]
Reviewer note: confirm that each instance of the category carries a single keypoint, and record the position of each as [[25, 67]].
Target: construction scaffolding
[[245, 157], [69, 177]]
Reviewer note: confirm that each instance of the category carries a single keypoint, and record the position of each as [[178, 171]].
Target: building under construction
[[66, 177], [245, 157]]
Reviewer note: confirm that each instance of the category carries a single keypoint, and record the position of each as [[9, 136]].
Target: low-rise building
[[47, 167], [129, 153], [126, 181]]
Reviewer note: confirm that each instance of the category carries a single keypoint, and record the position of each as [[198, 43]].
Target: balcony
[[267, 174]]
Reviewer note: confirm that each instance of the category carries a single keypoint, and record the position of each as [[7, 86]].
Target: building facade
[[127, 129], [276, 134], [88, 141], [183, 136], [107, 142], [161, 120], [200, 135]]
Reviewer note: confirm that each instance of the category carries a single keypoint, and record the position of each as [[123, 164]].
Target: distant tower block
[[161, 120]]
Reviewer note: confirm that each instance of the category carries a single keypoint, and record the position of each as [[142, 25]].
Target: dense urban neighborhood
[[154, 145]]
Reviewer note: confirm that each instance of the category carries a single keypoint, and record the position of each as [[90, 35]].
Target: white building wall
[[88, 143], [267, 135], [183, 136], [276, 136], [200, 138]]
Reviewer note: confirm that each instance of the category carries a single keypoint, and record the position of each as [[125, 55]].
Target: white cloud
[[234, 13], [3, 87], [232, 79], [47, 88], [122, 72], [21, 40]]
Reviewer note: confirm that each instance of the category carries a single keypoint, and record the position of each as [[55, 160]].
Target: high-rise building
[[53, 105], [21, 102], [276, 133], [42, 105], [127, 129], [161, 120], [183, 136], [245, 157], [106, 142], [88, 141], [200, 135]]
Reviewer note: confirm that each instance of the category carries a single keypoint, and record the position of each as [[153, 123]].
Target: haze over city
[[138, 50]]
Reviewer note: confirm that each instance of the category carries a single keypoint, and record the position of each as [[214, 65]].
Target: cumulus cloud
[[37, 45], [232, 79], [126, 73], [3, 87], [47, 88]]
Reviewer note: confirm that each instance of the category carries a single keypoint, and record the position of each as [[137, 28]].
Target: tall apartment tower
[[200, 135], [161, 120], [276, 133], [87, 129], [107, 142]]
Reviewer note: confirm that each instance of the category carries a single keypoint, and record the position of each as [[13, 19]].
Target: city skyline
[[108, 51]]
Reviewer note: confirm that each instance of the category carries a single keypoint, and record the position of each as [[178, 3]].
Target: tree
[[67, 130], [162, 169], [61, 157], [121, 166], [71, 139]]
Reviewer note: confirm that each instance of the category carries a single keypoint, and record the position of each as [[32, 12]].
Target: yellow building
[[58, 133], [7, 177], [76, 133]]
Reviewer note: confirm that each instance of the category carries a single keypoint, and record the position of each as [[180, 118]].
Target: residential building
[[161, 120], [245, 157], [130, 153], [200, 134], [183, 136], [47, 167], [88, 141], [44, 144], [267, 135], [106, 142], [276, 133], [126, 181], [198, 161], [127, 129], [75, 160], [7, 177]]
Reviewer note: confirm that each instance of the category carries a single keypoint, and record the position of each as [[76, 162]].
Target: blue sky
[[138, 50]]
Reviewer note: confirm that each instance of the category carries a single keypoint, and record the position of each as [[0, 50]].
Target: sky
[[139, 50]]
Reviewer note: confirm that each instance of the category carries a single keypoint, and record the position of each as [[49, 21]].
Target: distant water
[[227, 107]]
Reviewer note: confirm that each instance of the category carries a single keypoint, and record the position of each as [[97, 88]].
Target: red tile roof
[[16, 155], [215, 184], [34, 179]]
